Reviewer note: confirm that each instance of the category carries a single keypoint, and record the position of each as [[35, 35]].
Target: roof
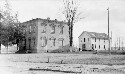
[[96, 35], [48, 20]]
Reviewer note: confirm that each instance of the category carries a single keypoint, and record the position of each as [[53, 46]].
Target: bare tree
[[72, 15]]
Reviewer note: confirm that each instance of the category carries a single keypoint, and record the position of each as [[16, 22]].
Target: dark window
[[53, 30], [43, 29], [43, 41], [104, 46], [83, 47], [61, 30], [53, 41], [34, 29], [29, 39], [99, 46], [34, 41], [95, 45], [62, 42], [84, 39], [95, 39]]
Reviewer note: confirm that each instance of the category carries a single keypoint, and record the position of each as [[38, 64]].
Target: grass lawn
[[74, 58], [63, 63]]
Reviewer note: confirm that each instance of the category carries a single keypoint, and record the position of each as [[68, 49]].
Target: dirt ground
[[58, 63]]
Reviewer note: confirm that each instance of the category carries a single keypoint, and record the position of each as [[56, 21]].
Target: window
[[104, 46], [83, 47], [61, 30], [24, 31], [61, 41], [53, 40], [34, 41], [99, 46], [95, 39], [84, 39], [88, 39], [43, 29], [43, 41], [95, 45], [30, 29], [33, 28], [53, 30], [29, 40]]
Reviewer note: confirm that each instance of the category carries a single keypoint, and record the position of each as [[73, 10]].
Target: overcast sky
[[94, 11]]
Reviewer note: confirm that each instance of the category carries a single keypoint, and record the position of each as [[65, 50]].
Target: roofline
[[45, 20], [93, 37], [81, 33]]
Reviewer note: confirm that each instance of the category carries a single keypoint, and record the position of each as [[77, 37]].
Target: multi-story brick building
[[45, 35], [93, 41]]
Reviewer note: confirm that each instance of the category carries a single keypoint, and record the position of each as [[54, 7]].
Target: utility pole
[[115, 45], [122, 44], [0, 33], [111, 40], [108, 30], [119, 43]]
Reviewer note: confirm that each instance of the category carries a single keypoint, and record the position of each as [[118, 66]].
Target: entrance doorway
[[29, 43], [92, 46], [83, 47]]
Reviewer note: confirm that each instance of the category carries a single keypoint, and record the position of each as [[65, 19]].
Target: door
[[92, 46], [83, 47], [29, 43]]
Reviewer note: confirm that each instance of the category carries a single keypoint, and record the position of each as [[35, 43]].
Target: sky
[[94, 13]]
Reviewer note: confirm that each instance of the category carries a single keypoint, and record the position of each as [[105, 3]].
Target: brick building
[[93, 41], [45, 35]]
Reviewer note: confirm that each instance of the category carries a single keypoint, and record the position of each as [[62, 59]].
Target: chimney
[[64, 20], [55, 20], [48, 18]]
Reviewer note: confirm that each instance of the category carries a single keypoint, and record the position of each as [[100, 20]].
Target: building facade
[[93, 41], [45, 35]]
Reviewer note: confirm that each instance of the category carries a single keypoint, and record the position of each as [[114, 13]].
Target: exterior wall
[[98, 45], [30, 33], [101, 43], [39, 36], [50, 38], [87, 42]]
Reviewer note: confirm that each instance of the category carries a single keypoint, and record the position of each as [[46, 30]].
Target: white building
[[93, 41]]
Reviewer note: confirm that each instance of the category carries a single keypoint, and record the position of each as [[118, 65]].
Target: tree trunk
[[7, 47], [69, 31], [0, 46], [17, 46], [70, 24], [17, 41], [71, 37]]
